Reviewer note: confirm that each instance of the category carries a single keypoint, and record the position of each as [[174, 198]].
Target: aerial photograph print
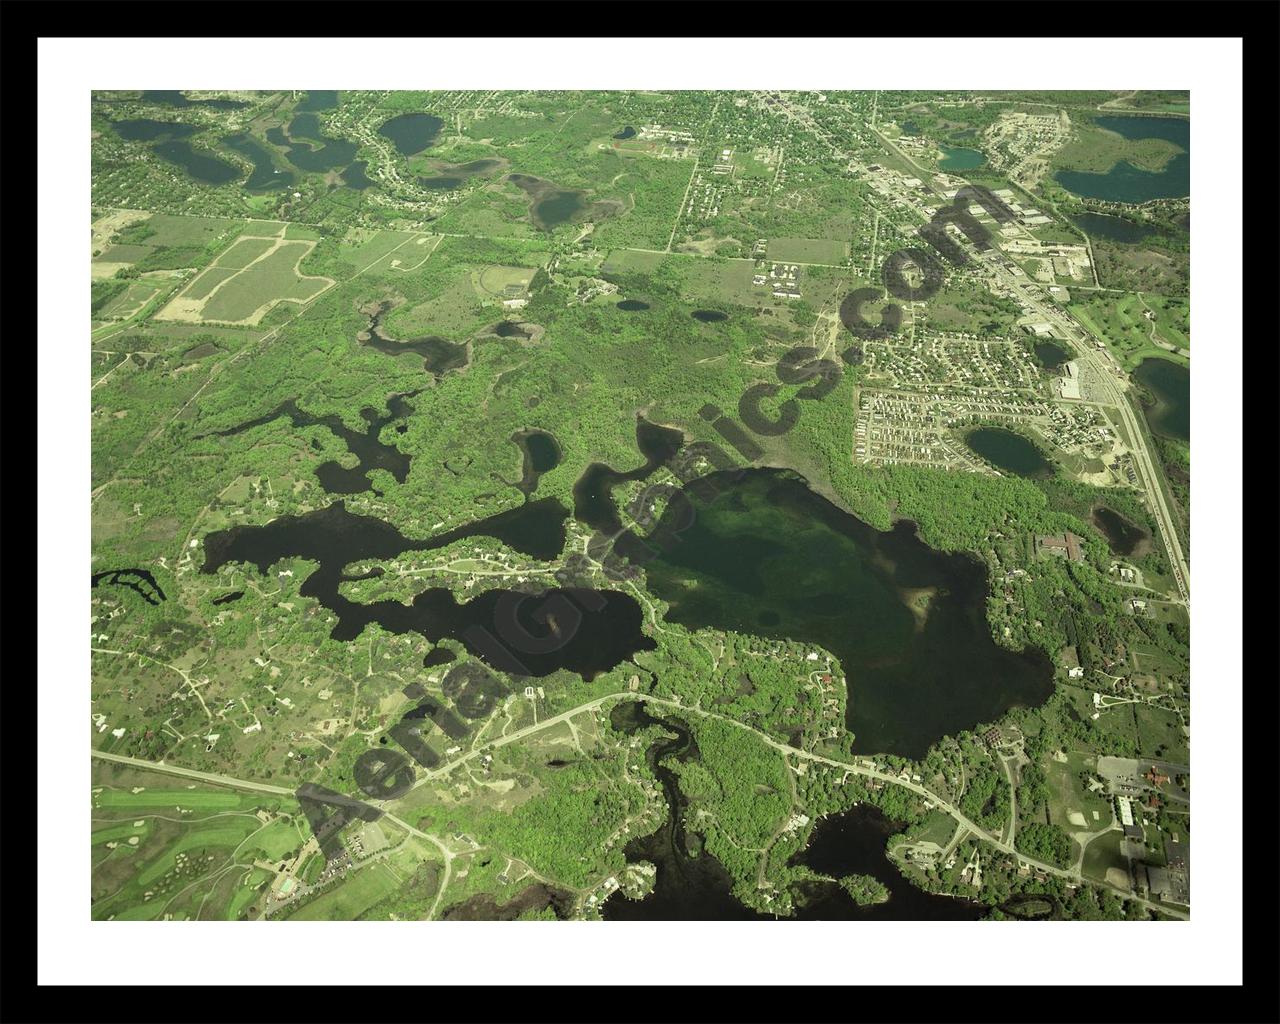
[[640, 505]]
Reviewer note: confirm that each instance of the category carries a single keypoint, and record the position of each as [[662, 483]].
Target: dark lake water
[[558, 207], [411, 133], [1125, 183], [694, 886], [146, 129], [1051, 355], [266, 176], [709, 316], [632, 305], [356, 178], [174, 98], [541, 455], [1115, 229], [1009, 451], [445, 184], [960, 159], [140, 581], [550, 205], [627, 133], [518, 632], [321, 153], [1170, 385], [1123, 537], [910, 128], [200, 165], [853, 843], [765, 555], [317, 100], [364, 445], [509, 329], [593, 493]]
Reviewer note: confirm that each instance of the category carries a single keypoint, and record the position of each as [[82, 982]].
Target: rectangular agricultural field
[[249, 294]]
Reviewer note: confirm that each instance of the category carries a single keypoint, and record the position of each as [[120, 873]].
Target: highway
[[189, 773], [1080, 338], [1084, 342]]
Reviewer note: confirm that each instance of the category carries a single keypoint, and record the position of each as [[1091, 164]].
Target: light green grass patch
[[187, 799], [178, 232], [352, 897], [124, 254], [623, 261], [808, 250]]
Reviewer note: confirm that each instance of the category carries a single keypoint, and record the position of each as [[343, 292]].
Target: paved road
[[856, 768], [190, 773], [1086, 350], [1080, 337]]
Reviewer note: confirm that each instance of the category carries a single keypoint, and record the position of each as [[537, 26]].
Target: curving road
[[857, 768]]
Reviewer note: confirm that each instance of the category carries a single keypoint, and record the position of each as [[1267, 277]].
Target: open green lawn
[[1068, 794], [183, 232], [132, 299], [175, 799], [1160, 734], [1103, 854], [1119, 321], [938, 828], [629, 260], [808, 250], [350, 898]]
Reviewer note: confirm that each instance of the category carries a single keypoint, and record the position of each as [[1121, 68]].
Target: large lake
[[520, 632], [411, 133], [696, 887], [766, 555], [1125, 183]]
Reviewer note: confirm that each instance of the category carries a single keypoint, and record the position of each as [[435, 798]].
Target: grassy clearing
[[493, 281], [1067, 795], [183, 799], [125, 253], [938, 828], [301, 233], [131, 300], [1102, 855], [623, 261], [277, 840], [203, 286], [184, 232], [808, 250], [1119, 320], [1160, 734], [264, 229], [351, 898]]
